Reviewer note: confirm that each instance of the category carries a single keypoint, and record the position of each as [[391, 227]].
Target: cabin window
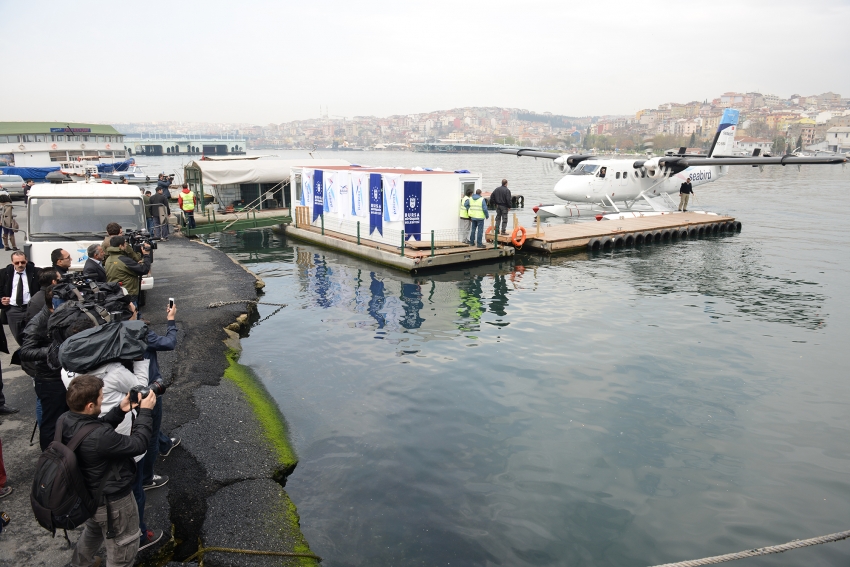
[[642, 173], [625, 174], [27, 138], [58, 156], [617, 175], [2, 139], [100, 138], [60, 138], [39, 137]]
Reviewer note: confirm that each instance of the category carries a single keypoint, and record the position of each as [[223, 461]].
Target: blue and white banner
[[331, 191], [376, 209], [359, 194], [393, 193], [307, 188], [343, 192], [318, 194], [413, 210]]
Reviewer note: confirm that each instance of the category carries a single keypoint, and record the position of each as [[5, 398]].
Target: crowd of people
[[120, 441]]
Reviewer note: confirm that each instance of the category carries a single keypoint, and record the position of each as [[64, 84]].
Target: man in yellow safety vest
[[186, 201], [477, 208], [465, 224]]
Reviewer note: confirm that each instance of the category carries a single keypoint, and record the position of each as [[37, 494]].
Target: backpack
[[59, 495]]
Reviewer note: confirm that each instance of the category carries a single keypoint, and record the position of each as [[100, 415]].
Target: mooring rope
[[202, 550], [240, 301], [796, 544]]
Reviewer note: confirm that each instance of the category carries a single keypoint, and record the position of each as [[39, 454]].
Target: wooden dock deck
[[609, 234]]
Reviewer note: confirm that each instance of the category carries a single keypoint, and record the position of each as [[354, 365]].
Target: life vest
[[464, 214], [476, 208], [188, 200]]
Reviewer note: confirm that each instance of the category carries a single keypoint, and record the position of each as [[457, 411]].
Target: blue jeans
[[477, 226], [159, 443], [190, 218], [139, 495], [150, 226]]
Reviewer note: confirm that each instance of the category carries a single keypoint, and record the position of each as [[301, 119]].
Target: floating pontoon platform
[[412, 257], [625, 231]]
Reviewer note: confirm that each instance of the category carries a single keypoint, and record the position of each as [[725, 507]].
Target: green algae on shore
[[267, 413]]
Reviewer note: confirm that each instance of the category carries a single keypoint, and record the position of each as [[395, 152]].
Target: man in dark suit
[[93, 269], [18, 283]]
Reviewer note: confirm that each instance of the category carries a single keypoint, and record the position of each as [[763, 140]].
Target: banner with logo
[[413, 210], [343, 192], [376, 209], [318, 194], [331, 191], [307, 188], [393, 193], [359, 194]]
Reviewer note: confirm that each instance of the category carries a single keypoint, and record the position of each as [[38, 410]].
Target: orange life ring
[[489, 230], [53, 146], [108, 147], [521, 241]]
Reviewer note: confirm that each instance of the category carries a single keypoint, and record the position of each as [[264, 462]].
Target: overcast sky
[[261, 62]]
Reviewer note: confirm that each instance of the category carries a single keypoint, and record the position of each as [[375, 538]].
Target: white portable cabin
[[411, 200]]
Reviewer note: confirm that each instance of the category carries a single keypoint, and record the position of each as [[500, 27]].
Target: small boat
[[134, 174], [81, 168]]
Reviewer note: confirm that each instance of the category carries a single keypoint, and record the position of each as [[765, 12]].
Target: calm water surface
[[634, 408]]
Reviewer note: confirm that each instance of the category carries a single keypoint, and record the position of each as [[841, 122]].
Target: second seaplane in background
[[643, 186]]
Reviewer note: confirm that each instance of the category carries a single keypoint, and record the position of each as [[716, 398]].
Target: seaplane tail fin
[[724, 139]]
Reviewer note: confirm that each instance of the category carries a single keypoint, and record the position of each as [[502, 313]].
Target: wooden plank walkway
[[573, 236]]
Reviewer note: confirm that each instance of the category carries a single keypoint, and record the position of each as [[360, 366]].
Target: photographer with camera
[[47, 378], [117, 382], [160, 443], [123, 269], [105, 458], [115, 229]]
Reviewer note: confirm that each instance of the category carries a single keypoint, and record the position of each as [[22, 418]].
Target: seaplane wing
[[752, 160], [649, 182]]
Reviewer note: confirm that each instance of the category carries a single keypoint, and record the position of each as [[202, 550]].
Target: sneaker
[[481, 246], [149, 538], [156, 482], [6, 410], [174, 442], [6, 491]]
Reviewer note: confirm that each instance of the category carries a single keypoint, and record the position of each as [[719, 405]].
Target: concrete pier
[[226, 477]]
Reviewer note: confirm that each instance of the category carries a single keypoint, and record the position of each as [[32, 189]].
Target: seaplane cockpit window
[[585, 169], [602, 171]]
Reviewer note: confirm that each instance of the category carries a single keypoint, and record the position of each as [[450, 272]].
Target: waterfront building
[[46, 144], [184, 145]]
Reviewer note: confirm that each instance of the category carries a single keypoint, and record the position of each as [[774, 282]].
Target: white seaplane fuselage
[[603, 181]]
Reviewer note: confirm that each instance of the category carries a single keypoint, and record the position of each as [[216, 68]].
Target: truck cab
[[74, 216]]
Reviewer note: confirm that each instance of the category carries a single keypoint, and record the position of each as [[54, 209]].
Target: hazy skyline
[[262, 62]]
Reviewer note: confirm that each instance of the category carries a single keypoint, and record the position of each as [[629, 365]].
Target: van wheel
[[142, 296]]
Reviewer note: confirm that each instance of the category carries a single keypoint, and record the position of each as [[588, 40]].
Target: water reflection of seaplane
[[643, 186]]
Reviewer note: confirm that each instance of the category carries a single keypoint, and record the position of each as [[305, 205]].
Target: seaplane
[[643, 186]]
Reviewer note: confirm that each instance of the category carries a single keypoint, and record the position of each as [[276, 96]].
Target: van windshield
[[82, 217]]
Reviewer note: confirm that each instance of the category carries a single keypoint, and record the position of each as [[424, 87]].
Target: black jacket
[[94, 271], [160, 199], [686, 188], [103, 448], [35, 348], [7, 275], [501, 196]]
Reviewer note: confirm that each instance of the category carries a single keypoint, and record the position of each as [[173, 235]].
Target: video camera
[[138, 238]]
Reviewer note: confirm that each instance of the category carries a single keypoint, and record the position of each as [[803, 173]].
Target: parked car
[[13, 185]]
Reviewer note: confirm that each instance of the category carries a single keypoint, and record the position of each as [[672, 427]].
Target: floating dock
[[412, 257], [625, 232]]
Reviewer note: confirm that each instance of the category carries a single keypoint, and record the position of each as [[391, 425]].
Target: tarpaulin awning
[[237, 172]]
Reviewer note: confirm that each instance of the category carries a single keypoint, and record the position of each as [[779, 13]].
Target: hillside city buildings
[[768, 122]]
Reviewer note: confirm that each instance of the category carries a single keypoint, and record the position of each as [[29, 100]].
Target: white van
[[74, 215]]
